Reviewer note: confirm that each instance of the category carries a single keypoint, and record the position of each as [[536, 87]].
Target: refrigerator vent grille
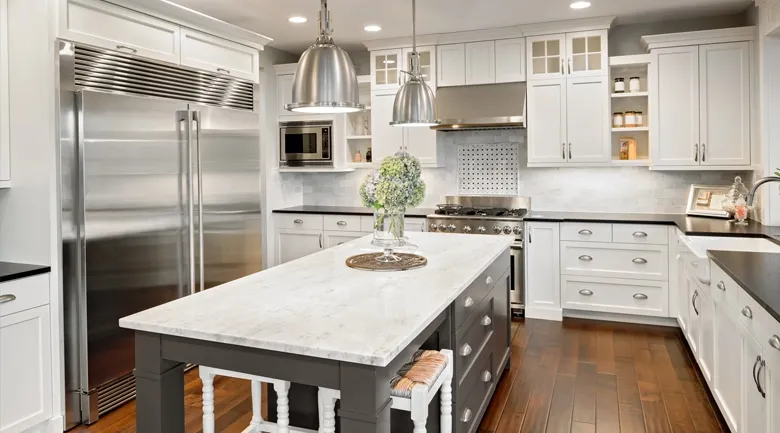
[[115, 393], [110, 71]]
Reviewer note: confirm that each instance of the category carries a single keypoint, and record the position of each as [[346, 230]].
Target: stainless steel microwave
[[307, 143]]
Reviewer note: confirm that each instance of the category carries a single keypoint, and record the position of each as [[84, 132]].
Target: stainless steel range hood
[[490, 106]]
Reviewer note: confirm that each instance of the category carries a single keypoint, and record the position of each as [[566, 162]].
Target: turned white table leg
[[282, 406], [327, 402], [257, 407], [419, 408], [446, 406], [208, 401]]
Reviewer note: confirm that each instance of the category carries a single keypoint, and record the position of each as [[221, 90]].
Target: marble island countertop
[[348, 210], [317, 306]]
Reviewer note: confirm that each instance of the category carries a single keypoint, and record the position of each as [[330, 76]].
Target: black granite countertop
[[12, 271], [757, 273], [348, 210], [691, 226]]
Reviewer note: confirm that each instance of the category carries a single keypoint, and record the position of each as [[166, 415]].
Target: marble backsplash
[[625, 189]]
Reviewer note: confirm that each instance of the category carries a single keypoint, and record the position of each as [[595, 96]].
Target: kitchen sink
[[701, 244]]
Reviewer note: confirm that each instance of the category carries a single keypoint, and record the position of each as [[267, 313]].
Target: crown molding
[[519, 31], [189, 18], [669, 40]]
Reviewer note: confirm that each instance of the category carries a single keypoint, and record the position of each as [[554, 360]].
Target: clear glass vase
[[389, 230]]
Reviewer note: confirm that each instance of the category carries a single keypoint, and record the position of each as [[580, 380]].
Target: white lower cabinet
[[728, 361], [293, 244], [334, 239], [694, 316], [543, 283], [768, 378], [752, 395], [683, 297], [707, 337], [25, 369], [614, 295]]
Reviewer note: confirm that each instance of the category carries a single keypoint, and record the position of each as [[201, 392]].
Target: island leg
[[159, 385], [365, 399]]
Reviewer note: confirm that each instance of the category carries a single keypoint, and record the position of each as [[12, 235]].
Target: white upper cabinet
[[546, 56], [510, 60], [427, 64], [480, 63], [108, 26], [421, 142], [587, 53], [587, 119], [203, 51], [675, 130], [547, 140], [385, 139], [451, 65], [386, 68], [724, 80]]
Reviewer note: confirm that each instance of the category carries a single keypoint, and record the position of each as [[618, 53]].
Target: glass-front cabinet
[[587, 53], [386, 68], [427, 64], [546, 56]]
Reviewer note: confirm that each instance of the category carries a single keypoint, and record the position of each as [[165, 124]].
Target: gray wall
[[626, 39]]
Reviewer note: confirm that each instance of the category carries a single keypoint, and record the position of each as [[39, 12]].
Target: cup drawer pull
[[466, 417], [468, 302], [722, 286], [465, 350], [585, 232], [586, 258], [640, 261], [298, 221], [486, 321], [341, 223], [486, 376], [586, 292], [640, 234], [7, 298], [775, 342], [489, 280], [747, 312], [640, 296]]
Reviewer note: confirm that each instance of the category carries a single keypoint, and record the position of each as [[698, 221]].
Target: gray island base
[[318, 323]]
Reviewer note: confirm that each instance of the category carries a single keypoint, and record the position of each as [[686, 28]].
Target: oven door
[[517, 275], [303, 142]]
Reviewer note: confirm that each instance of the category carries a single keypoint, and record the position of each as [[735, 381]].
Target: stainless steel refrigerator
[[160, 194]]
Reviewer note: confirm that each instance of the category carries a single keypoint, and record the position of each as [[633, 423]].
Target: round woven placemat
[[369, 262]]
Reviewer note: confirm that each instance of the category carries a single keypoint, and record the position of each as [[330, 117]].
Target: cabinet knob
[[7, 298], [465, 350], [775, 342], [585, 258], [468, 302], [586, 292], [640, 296], [486, 376], [585, 232], [486, 321], [640, 261], [640, 234], [466, 417], [722, 286], [747, 312], [298, 221], [489, 280]]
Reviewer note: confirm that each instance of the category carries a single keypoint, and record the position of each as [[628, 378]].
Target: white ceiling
[[269, 17]]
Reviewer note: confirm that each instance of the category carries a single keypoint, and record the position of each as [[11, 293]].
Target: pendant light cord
[[414, 26]]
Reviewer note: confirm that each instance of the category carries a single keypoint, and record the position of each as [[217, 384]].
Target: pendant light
[[414, 103], [325, 81]]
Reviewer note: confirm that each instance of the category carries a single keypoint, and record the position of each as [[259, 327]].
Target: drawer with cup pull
[[586, 232], [299, 221], [650, 262], [344, 223], [473, 394], [640, 234], [472, 337], [468, 302], [615, 295], [23, 294], [724, 290]]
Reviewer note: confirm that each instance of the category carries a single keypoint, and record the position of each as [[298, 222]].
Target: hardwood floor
[[575, 377]]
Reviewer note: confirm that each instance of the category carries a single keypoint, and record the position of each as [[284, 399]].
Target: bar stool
[[258, 424], [413, 388]]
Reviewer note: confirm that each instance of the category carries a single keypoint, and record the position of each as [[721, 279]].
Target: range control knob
[[517, 230], [452, 227], [497, 230], [507, 230], [434, 227], [442, 227], [466, 229], [481, 229]]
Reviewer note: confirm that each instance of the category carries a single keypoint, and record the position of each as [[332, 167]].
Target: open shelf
[[360, 165], [631, 162], [315, 170], [638, 128], [630, 95], [358, 137]]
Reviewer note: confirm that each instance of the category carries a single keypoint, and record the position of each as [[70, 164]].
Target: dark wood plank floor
[[575, 377]]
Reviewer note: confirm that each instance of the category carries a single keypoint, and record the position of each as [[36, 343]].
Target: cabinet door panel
[[754, 416], [427, 64], [724, 71], [334, 239], [587, 53], [770, 381], [728, 361], [385, 139], [25, 370], [674, 135], [214, 54], [547, 121], [587, 108], [451, 65], [480, 63], [421, 142], [543, 283], [386, 69], [294, 244], [707, 338], [284, 85], [510, 60], [546, 56], [694, 316], [683, 316]]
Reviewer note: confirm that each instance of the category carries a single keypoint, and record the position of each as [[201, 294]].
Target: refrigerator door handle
[[199, 171], [190, 202]]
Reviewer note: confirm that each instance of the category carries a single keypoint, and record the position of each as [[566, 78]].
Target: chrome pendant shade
[[325, 81], [414, 103]]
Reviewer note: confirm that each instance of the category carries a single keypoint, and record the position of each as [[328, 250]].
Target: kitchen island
[[316, 322]]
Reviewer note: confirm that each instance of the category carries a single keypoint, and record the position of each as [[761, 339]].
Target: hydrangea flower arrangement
[[389, 190]]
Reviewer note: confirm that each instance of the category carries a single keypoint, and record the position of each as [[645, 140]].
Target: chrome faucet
[[752, 194]]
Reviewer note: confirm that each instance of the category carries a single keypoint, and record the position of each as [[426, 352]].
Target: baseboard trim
[[555, 314], [51, 425], [622, 318]]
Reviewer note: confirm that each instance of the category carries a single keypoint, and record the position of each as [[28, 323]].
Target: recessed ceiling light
[[297, 20], [372, 28], [580, 5]]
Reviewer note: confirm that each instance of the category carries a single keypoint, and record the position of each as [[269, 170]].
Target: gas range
[[492, 215]]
